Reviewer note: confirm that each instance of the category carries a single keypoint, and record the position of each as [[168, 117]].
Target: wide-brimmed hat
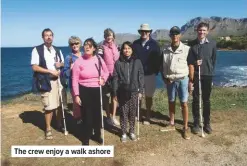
[[145, 27]]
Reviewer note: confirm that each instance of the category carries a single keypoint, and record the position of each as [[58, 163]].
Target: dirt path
[[23, 124]]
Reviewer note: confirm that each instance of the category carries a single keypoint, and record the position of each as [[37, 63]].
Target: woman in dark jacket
[[128, 86]]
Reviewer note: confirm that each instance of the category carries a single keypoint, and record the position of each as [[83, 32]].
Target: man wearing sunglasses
[[175, 75], [148, 51]]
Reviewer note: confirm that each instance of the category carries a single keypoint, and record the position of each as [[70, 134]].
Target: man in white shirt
[[175, 75], [47, 60]]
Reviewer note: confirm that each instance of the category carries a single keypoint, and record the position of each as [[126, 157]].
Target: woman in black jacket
[[128, 86]]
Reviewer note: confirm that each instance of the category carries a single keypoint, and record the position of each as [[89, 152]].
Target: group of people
[[125, 77]]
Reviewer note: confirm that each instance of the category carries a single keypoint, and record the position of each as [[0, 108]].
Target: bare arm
[[191, 73]]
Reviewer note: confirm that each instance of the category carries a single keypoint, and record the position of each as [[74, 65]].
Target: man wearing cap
[[175, 75], [148, 51]]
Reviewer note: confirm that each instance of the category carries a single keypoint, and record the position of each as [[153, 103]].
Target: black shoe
[[97, 139], [195, 129], [85, 142], [207, 128]]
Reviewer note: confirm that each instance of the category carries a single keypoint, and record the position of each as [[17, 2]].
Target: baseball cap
[[175, 30]]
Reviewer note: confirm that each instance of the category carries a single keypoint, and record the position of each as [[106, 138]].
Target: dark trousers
[[90, 98], [128, 110], [206, 86]]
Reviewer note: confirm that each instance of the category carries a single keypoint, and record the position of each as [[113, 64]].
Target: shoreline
[[34, 96]]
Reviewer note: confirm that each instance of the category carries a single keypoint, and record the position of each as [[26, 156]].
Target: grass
[[221, 99]]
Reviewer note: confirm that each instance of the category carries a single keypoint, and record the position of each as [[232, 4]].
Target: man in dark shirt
[[148, 51], [202, 53]]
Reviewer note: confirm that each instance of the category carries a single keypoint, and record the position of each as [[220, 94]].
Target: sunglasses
[[174, 34], [144, 31], [89, 45], [74, 43]]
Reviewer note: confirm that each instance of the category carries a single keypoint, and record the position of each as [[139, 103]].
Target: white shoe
[[123, 138], [133, 137], [115, 122]]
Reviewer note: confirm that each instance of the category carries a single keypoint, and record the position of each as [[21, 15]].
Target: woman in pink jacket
[[110, 54], [85, 84]]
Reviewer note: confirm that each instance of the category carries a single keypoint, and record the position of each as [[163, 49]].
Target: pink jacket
[[111, 55], [85, 72]]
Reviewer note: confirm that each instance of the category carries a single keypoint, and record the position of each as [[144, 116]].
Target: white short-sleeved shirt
[[50, 57]]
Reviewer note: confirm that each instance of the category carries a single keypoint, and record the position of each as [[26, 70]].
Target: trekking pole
[[61, 99], [102, 116], [200, 101], [138, 116]]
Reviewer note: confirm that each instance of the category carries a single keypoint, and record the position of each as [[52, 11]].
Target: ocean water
[[231, 70]]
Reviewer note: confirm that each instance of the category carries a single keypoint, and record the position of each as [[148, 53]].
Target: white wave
[[232, 76]]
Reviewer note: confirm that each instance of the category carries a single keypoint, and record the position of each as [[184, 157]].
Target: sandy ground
[[23, 124]]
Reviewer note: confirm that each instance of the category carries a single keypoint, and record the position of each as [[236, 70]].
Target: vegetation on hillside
[[235, 43]]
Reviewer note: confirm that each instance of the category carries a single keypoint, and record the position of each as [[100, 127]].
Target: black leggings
[[90, 98]]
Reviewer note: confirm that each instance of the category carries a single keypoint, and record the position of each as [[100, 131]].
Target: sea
[[16, 72]]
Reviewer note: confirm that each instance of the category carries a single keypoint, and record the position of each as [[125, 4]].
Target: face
[[202, 32], [127, 50], [48, 37], [75, 46], [175, 37], [88, 48], [109, 38], [145, 34]]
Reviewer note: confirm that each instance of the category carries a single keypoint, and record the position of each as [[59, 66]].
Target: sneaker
[[115, 122], [133, 137], [146, 122], [109, 121], [123, 138], [207, 128], [168, 128], [186, 133], [196, 129]]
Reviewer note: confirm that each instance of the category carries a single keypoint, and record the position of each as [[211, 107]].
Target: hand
[[167, 81], [101, 81], [71, 66], [191, 87], [54, 73], [199, 62], [58, 65], [140, 96], [115, 98], [78, 100]]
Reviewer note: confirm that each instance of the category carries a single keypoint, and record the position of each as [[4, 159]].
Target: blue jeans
[[179, 87]]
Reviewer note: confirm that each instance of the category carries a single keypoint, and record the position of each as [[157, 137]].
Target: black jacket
[[206, 52], [128, 76]]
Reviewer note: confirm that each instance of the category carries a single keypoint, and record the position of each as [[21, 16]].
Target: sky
[[22, 21]]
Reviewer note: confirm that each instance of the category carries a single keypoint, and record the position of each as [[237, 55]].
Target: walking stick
[[61, 99], [101, 103], [102, 116], [200, 101], [138, 118]]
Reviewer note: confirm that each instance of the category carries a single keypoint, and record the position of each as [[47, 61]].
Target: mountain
[[122, 37], [219, 27]]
